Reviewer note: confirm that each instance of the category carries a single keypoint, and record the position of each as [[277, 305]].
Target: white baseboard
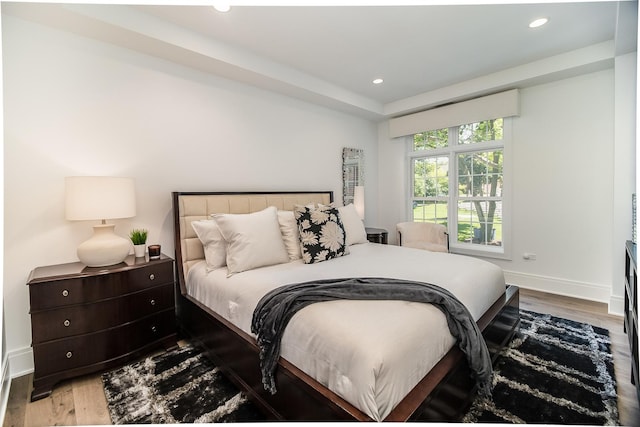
[[5, 387], [616, 305], [16, 364], [21, 362], [554, 285]]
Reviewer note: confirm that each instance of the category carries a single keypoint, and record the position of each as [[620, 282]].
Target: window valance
[[504, 104]]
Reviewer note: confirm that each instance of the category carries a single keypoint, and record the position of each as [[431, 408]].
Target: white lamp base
[[104, 247]]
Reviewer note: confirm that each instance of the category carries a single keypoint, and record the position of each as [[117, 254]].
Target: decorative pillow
[[322, 235], [215, 247], [253, 240], [353, 225], [290, 234]]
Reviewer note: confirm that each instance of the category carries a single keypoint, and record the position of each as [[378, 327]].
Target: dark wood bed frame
[[444, 394]]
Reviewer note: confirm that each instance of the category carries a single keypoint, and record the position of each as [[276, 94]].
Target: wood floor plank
[[17, 402], [56, 410], [90, 401], [82, 402]]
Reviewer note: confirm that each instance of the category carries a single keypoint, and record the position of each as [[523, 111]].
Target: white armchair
[[423, 235]]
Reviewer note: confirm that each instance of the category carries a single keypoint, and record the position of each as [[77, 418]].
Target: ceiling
[[427, 55]]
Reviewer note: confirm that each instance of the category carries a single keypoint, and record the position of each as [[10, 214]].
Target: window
[[458, 180]]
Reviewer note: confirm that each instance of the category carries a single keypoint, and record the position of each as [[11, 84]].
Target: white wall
[[624, 167], [74, 106], [563, 145], [563, 182]]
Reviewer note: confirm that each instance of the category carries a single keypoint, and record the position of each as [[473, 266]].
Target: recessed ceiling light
[[222, 7], [538, 22], [377, 81]]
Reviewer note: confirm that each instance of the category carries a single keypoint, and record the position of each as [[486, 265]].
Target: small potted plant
[[139, 239]]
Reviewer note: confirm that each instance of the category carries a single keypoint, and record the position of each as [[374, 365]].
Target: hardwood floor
[[81, 401]]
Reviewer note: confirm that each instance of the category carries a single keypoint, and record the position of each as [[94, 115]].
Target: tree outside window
[[457, 181]]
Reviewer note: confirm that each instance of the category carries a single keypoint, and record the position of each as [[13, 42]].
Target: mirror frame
[[352, 172]]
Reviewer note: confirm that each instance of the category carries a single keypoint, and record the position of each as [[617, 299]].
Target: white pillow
[[353, 225], [290, 234], [253, 240], [215, 247]]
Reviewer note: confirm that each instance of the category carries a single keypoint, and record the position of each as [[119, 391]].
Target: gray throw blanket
[[275, 309]]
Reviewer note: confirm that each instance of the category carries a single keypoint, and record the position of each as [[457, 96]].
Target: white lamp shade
[[99, 197], [358, 200]]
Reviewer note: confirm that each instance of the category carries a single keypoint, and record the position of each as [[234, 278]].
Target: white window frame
[[452, 151]]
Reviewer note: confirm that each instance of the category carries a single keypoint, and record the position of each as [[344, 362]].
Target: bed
[[324, 371]]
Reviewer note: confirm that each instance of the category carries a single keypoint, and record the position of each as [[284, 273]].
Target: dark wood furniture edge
[[377, 235], [91, 271], [443, 395], [237, 355], [43, 386], [448, 390], [630, 324]]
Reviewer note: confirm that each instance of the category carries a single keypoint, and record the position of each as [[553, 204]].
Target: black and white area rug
[[180, 386], [555, 371]]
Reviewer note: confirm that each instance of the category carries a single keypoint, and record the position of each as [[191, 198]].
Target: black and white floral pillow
[[322, 235]]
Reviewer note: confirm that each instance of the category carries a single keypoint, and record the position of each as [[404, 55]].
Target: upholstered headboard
[[193, 206]]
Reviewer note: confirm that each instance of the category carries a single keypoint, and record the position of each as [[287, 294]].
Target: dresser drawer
[[83, 350], [81, 319], [59, 293], [152, 275]]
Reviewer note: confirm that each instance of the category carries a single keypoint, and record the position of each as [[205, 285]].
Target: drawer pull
[[152, 276], [154, 329], [69, 355], [65, 293], [152, 302], [66, 323]]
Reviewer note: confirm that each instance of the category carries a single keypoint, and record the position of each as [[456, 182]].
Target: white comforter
[[371, 353]]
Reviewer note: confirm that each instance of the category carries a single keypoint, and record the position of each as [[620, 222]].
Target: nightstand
[[377, 235], [88, 319]]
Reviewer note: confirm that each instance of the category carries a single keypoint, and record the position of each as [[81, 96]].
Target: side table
[[377, 235]]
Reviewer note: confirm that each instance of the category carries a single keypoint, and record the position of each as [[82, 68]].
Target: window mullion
[[452, 211], [431, 153], [480, 146], [412, 183]]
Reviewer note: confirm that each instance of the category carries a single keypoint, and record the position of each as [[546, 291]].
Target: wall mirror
[[352, 172]]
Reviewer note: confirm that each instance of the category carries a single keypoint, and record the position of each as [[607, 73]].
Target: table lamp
[[358, 200], [100, 198]]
